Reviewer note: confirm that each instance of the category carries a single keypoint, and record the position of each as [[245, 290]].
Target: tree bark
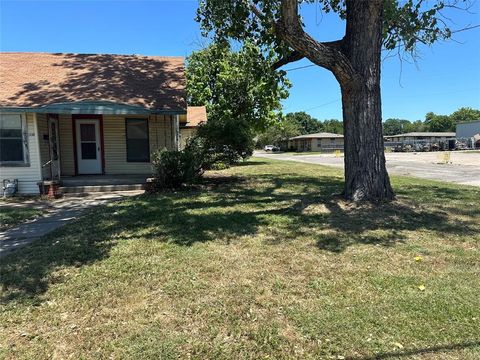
[[355, 61], [366, 176]]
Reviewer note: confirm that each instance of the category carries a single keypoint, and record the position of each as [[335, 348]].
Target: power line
[[300, 67], [325, 104]]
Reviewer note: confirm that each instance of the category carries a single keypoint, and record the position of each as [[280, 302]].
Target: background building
[[316, 142]]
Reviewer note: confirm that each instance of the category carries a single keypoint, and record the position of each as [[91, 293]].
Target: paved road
[[424, 166]]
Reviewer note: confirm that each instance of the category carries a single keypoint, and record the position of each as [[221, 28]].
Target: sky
[[443, 78]]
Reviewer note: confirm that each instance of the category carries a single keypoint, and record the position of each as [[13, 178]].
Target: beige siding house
[[66, 115], [316, 142]]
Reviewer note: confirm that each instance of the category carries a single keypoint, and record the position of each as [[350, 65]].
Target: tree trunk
[[366, 176]]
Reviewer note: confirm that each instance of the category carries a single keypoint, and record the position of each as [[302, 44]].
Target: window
[[138, 147], [319, 142], [12, 147]]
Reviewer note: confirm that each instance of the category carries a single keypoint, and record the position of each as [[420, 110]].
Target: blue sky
[[446, 76]]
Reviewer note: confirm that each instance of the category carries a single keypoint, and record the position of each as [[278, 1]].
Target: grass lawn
[[259, 262], [11, 216]]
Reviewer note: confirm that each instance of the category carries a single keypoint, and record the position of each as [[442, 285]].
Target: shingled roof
[[38, 79]]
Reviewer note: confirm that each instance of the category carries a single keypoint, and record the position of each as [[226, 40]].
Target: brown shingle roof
[[37, 79], [195, 116]]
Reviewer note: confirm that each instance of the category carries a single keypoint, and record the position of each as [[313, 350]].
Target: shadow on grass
[[422, 351], [282, 205]]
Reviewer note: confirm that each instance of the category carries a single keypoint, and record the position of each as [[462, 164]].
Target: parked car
[[271, 148]]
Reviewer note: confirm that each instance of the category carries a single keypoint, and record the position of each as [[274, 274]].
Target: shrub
[[174, 169]]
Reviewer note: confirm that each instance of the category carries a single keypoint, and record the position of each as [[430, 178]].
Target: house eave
[[93, 107]]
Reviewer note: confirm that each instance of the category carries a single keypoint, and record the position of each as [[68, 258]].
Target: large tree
[[354, 60]]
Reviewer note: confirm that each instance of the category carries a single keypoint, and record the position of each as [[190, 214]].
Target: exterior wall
[[161, 135], [42, 127], [29, 175], [185, 134], [316, 144], [326, 144], [468, 130], [67, 162]]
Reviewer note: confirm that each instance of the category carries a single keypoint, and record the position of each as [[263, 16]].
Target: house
[[189, 123], [66, 115], [316, 142]]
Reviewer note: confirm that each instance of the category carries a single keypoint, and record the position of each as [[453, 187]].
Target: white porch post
[[176, 126]]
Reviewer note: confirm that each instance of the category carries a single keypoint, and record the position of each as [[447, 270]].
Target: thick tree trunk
[[355, 62], [366, 177]]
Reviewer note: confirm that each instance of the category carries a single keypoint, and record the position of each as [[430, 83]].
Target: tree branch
[[327, 55], [292, 57]]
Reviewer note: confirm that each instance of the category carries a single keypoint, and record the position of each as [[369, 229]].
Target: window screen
[[138, 147], [11, 138]]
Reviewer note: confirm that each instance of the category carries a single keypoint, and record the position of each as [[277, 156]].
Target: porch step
[[85, 190]]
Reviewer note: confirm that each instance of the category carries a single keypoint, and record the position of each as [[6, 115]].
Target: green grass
[[11, 216], [261, 261]]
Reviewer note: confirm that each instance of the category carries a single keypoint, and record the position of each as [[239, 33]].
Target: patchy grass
[[11, 216], [263, 261]]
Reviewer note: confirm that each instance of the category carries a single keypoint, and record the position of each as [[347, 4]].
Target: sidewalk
[[57, 213]]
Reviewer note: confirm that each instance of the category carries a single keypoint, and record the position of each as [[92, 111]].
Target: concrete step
[[85, 190]]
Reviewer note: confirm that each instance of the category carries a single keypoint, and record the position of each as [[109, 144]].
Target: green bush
[[174, 169]]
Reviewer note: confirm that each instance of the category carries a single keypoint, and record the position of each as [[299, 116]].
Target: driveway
[[463, 168]]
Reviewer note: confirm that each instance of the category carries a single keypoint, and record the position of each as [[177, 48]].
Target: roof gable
[[38, 79]]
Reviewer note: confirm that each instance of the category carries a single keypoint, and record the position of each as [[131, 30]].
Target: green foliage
[[405, 22], [174, 169], [305, 122], [226, 140], [333, 126], [242, 93], [399, 126], [439, 122], [465, 114], [236, 85], [279, 132]]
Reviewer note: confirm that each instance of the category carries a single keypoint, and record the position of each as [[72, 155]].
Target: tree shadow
[[421, 351], [150, 82], [283, 207]]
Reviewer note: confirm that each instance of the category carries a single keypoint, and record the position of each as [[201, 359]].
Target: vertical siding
[[161, 132], [185, 134], [67, 164], [27, 176], [42, 126]]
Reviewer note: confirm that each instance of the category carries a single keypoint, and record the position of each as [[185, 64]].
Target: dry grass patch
[[259, 262]]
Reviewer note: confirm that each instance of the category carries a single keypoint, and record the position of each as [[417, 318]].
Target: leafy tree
[[397, 126], [242, 93], [439, 122], [465, 114], [305, 122], [279, 132], [354, 60], [333, 126]]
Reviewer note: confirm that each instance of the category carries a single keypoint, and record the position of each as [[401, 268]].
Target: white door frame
[[88, 166], [54, 146]]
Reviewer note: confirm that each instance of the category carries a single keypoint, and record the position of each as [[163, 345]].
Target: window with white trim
[[12, 139]]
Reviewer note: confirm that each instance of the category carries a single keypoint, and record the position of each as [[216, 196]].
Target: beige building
[[316, 142], [196, 115], [64, 115]]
